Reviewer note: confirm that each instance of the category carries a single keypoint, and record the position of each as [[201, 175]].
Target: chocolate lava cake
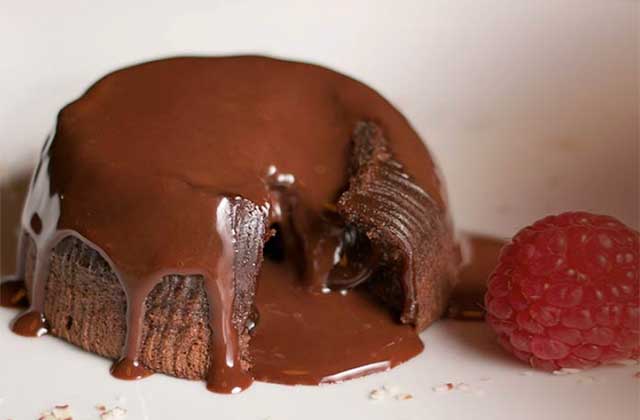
[[176, 197]]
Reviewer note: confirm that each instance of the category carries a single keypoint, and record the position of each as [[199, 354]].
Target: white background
[[531, 107]]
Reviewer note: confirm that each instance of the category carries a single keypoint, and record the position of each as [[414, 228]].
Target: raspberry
[[566, 292]]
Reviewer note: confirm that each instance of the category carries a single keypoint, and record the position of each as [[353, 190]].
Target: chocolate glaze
[[153, 164]]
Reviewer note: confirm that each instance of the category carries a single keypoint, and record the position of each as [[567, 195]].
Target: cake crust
[[86, 306]]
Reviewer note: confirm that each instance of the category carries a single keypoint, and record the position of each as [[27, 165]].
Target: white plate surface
[[36, 374]]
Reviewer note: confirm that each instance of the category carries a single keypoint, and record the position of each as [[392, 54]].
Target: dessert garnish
[[565, 294]]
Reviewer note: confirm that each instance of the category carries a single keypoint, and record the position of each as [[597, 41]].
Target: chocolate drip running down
[[172, 175]]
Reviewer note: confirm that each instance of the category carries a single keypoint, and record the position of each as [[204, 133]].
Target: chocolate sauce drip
[[180, 166], [129, 369], [242, 227]]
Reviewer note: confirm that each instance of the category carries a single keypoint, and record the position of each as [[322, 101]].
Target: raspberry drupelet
[[566, 292]]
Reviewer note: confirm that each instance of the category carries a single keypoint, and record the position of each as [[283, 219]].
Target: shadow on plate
[[482, 340]]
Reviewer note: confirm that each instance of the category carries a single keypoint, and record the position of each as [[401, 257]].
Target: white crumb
[[59, 412], [62, 412], [443, 388], [377, 394], [389, 391], [115, 413], [526, 373], [485, 379], [460, 386], [121, 399], [403, 397], [566, 371]]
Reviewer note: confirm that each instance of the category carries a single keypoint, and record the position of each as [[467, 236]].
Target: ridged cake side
[[86, 306], [409, 230]]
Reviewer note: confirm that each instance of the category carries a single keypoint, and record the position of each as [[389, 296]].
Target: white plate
[[36, 374], [519, 101]]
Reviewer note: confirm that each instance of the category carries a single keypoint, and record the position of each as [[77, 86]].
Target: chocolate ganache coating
[[160, 186]]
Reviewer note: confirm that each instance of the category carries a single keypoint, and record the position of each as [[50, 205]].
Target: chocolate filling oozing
[[129, 209]]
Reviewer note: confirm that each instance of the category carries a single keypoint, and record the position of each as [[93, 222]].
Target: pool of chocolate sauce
[[310, 337]]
